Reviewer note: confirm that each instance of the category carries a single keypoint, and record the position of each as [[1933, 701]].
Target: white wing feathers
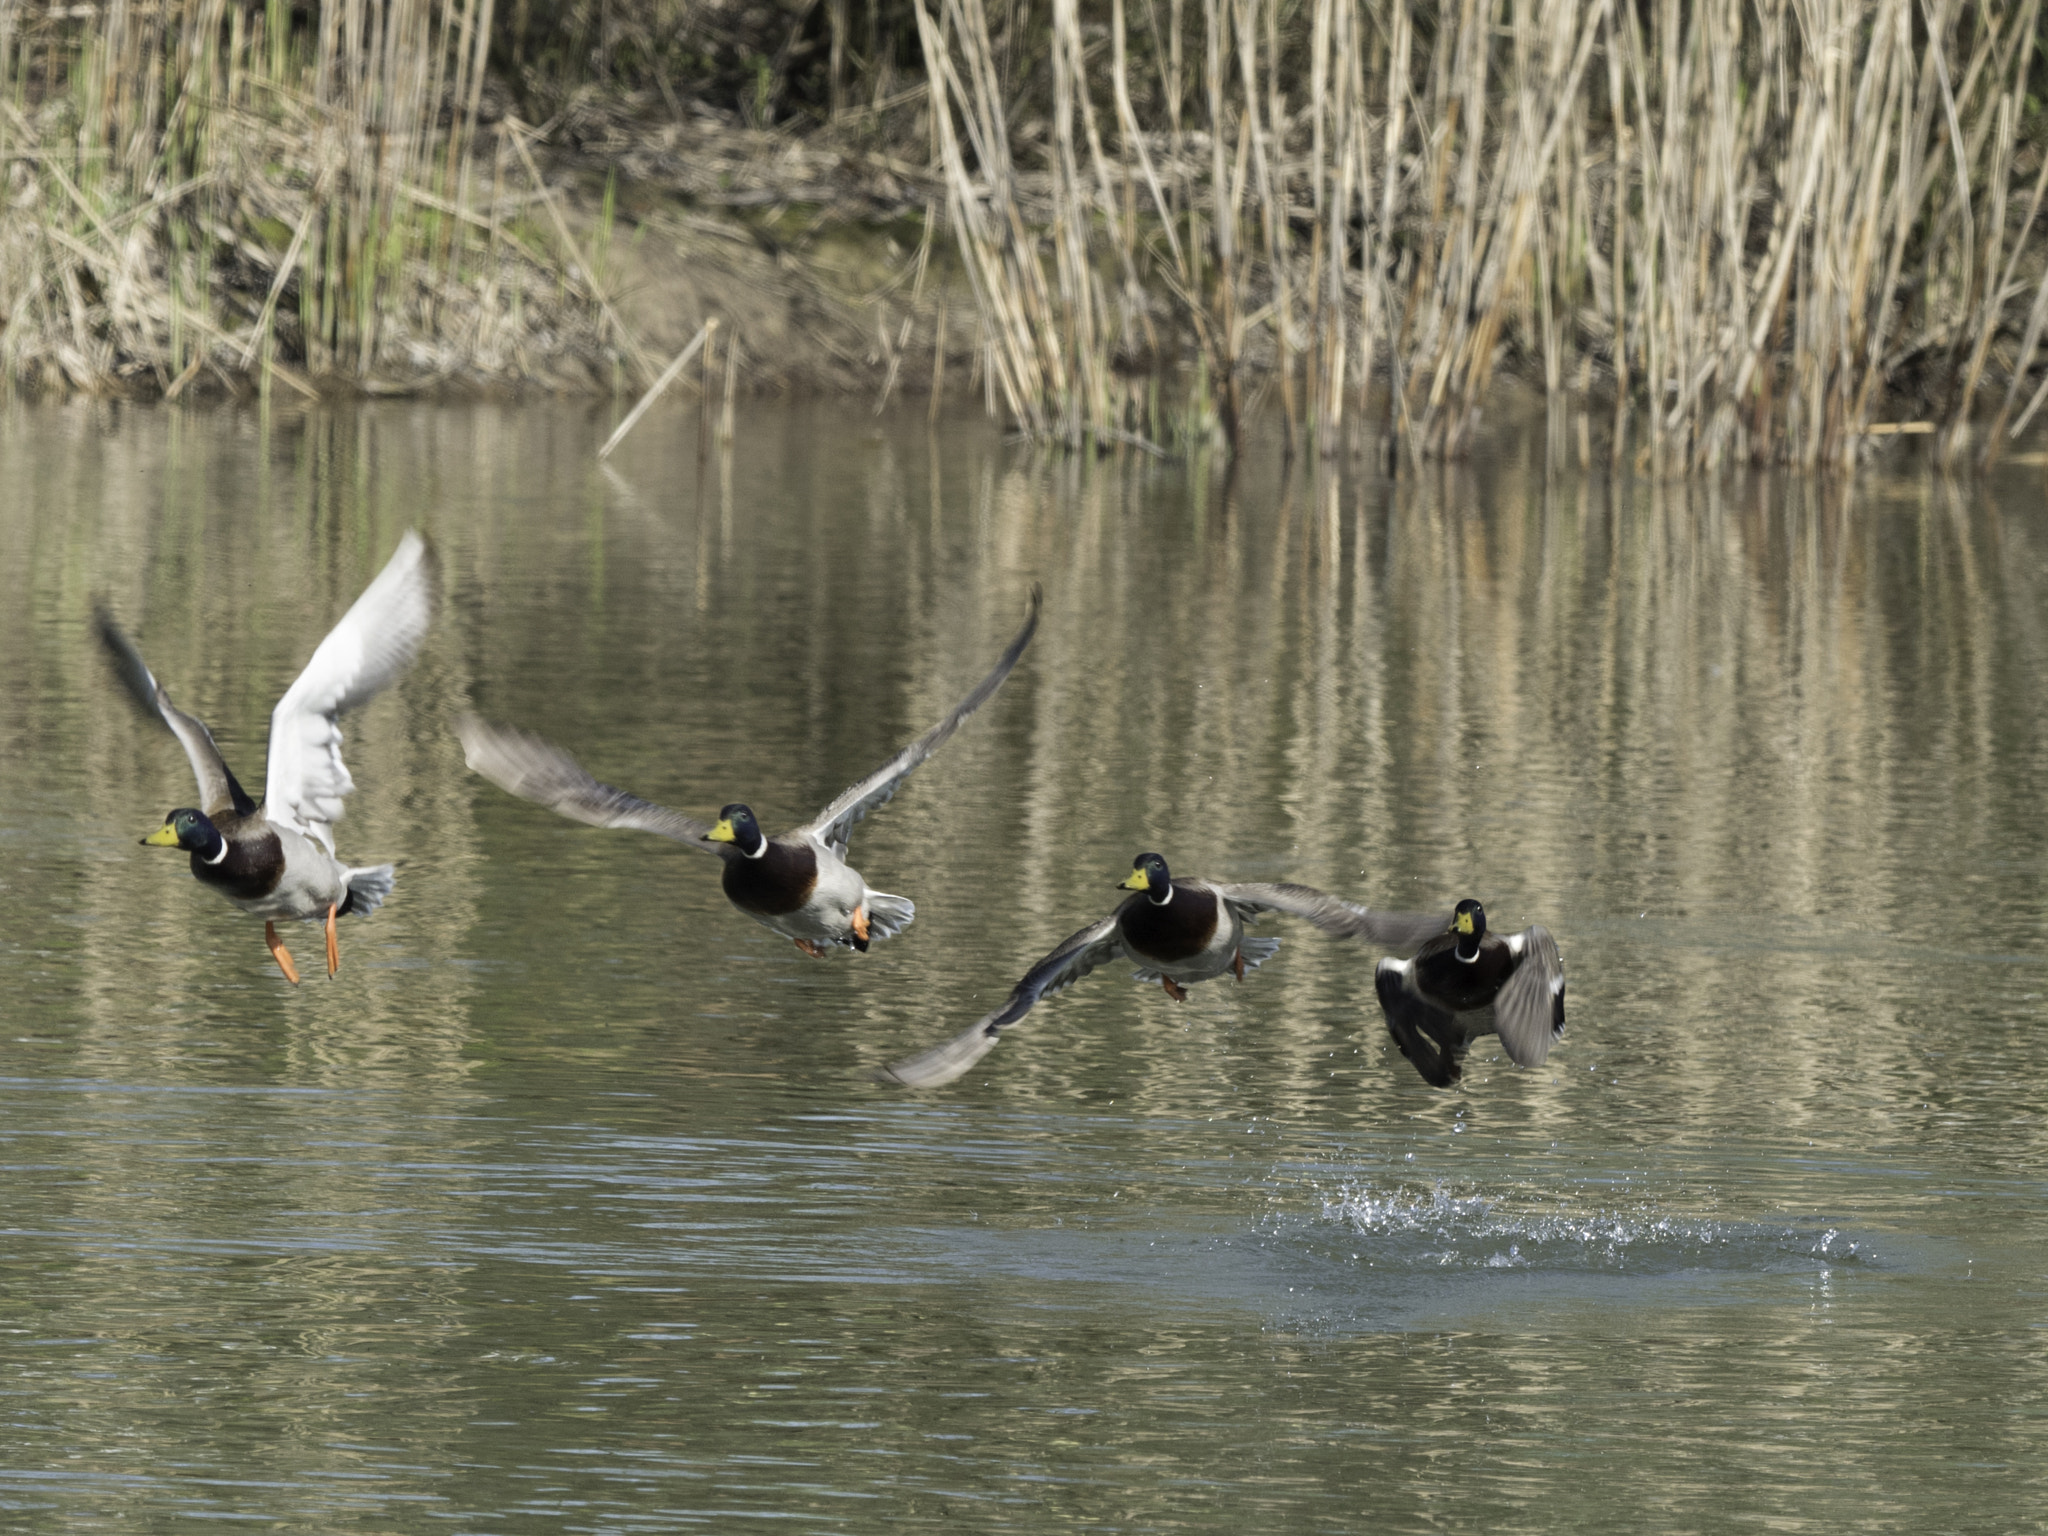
[[375, 641]]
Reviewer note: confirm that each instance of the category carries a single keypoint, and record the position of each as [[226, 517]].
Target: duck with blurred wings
[[1466, 983], [1177, 932], [277, 860], [798, 883]]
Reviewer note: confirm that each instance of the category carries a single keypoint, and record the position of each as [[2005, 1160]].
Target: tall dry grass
[[1725, 229], [1761, 229], [198, 190]]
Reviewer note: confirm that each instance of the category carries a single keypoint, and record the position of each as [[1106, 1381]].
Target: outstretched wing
[[305, 781], [1094, 945], [534, 768], [1431, 1038], [218, 791], [833, 825], [1529, 1012], [1401, 932]]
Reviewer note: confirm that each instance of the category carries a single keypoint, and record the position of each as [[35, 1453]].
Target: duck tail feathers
[[367, 888], [888, 915], [1257, 951]]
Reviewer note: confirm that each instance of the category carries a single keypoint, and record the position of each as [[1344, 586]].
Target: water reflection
[[570, 1201]]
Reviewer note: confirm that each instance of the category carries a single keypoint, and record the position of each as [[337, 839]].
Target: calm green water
[[570, 1206]]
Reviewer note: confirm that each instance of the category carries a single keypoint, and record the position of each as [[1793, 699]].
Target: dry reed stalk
[[732, 373], [580, 266], [938, 390]]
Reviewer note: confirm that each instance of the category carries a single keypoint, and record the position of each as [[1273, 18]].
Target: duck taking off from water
[[798, 883], [277, 860], [1177, 932], [1465, 983]]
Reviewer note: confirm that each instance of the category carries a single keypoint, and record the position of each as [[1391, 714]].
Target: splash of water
[[1436, 1227]]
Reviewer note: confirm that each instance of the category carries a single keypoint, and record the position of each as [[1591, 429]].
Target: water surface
[[570, 1204]]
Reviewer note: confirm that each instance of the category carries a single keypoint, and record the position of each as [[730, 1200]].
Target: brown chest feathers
[[775, 884], [1461, 985], [253, 865], [1178, 930]]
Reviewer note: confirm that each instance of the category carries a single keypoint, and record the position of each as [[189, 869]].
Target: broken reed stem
[[654, 391]]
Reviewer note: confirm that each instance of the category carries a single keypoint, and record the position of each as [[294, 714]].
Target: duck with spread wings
[[1466, 983], [277, 859], [797, 883], [1177, 932]]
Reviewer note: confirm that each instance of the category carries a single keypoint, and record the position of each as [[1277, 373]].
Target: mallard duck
[[1465, 983], [1177, 932], [276, 859], [798, 883]]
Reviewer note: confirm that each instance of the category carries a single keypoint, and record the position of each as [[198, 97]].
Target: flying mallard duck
[[1177, 932], [799, 884], [277, 859], [1467, 982]]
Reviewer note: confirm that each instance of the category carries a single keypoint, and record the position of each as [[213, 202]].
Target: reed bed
[[1768, 230], [197, 192]]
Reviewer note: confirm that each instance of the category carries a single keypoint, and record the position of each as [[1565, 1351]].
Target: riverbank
[[571, 271], [1713, 240]]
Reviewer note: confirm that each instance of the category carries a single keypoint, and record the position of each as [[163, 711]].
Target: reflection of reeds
[[197, 186], [1760, 231]]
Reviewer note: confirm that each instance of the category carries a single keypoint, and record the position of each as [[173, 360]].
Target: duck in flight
[[797, 883], [1177, 932], [276, 860], [1466, 983]]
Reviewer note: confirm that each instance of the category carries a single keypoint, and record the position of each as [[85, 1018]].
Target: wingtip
[[942, 1064], [489, 746], [107, 629], [426, 562], [468, 727], [133, 671], [1032, 606]]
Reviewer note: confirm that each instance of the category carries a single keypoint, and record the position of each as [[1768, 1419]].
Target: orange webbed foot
[[1174, 989], [860, 927], [333, 948], [280, 954], [814, 950]]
